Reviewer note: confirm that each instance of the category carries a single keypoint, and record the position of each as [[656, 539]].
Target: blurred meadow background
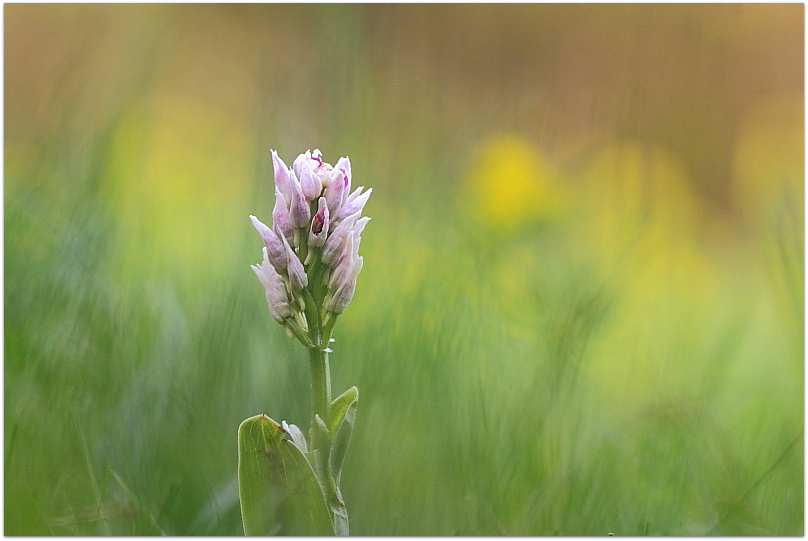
[[581, 310]]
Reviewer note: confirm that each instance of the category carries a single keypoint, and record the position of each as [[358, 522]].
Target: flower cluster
[[311, 253]]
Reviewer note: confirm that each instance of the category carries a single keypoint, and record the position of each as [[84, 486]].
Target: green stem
[[313, 317], [320, 384], [321, 407]]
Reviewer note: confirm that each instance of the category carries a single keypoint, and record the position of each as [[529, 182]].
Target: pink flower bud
[[275, 289], [346, 287], [298, 206], [348, 264], [297, 274], [282, 180], [353, 205], [309, 158], [336, 240], [310, 182], [281, 220], [342, 268], [319, 224], [343, 165], [343, 295], [335, 192], [360, 224], [276, 252]]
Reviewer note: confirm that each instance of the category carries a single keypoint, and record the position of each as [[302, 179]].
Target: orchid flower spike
[[311, 252]]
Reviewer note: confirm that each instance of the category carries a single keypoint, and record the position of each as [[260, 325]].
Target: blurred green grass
[[623, 353]]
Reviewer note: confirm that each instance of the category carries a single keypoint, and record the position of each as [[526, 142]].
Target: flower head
[[311, 252]]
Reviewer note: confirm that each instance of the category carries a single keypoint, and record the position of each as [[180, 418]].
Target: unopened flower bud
[[309, 158], [335, 192], [282, 180], [281, 220], [348, 266], [298, 206], [342, 267], [336, 240], [275, 289], [343, 165], [310, 183], [360, 224], [353, 205], [297, 274], [342, 297], [276, 252]]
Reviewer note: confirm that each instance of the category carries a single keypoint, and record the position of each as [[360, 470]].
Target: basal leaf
[[278, 490]]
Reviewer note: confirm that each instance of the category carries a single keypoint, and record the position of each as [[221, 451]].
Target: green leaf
[[343, 415], [278, 490], [340, 406]]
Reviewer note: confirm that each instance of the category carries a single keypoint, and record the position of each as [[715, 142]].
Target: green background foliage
[[581, 309]]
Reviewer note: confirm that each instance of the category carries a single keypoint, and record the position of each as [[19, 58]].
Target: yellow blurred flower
[[509, 184]]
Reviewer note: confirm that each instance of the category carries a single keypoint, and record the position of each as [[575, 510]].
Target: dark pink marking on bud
[[318, 221]]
